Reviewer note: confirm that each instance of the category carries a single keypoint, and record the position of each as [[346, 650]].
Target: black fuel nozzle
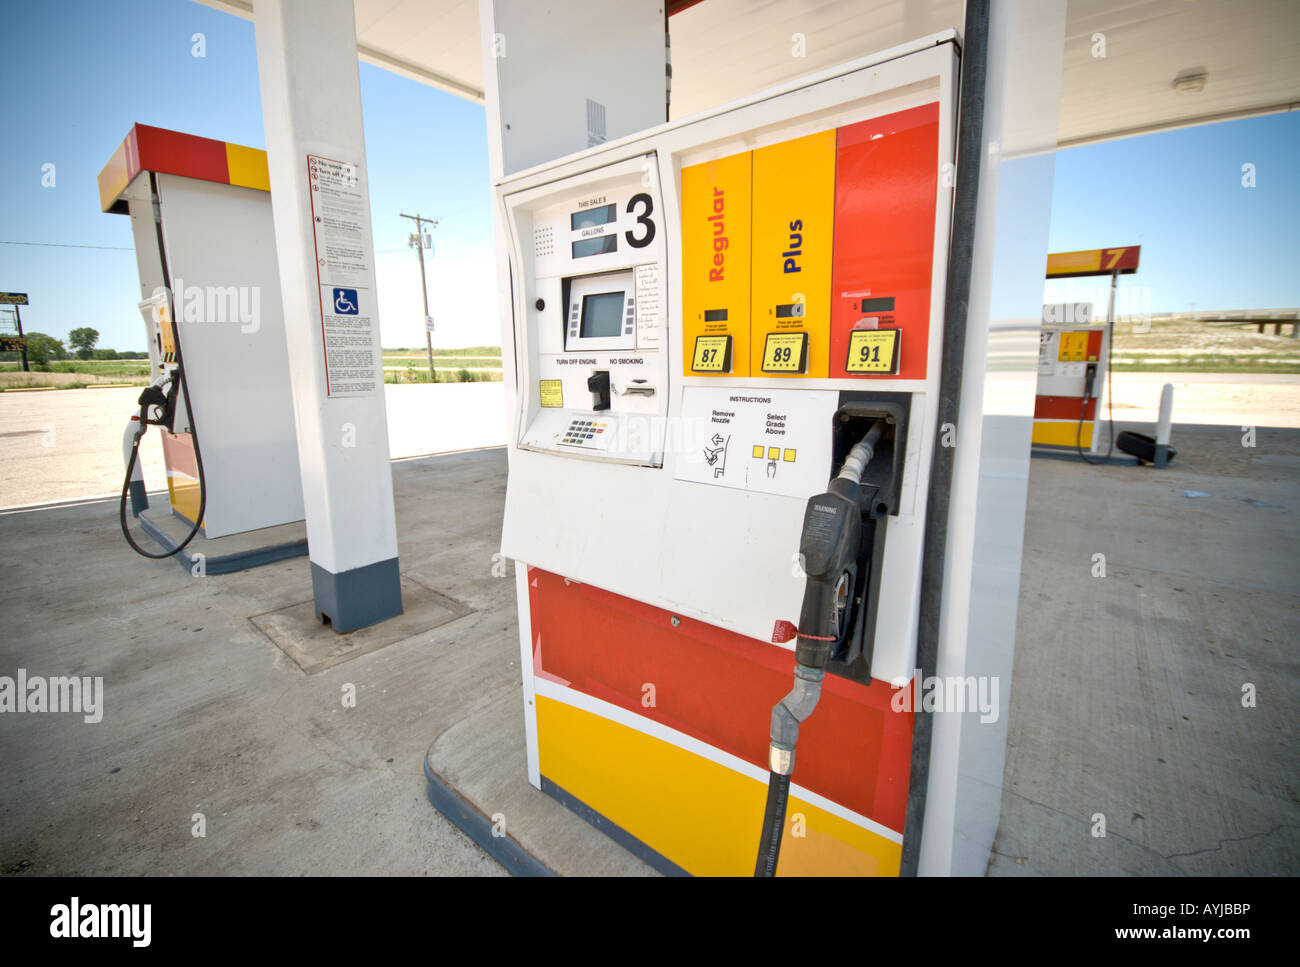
[[164, 399], [828, 546], [153, 395]]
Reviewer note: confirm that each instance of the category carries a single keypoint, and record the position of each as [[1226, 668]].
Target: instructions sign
[[343, 274], [767, 440]]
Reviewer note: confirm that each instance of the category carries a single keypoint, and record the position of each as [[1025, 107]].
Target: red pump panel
[[719, 687], [886, 184]]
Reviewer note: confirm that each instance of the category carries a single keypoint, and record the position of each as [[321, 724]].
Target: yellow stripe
[[704, 817], [793, 228], [183, 490], [247, 167], [115, 177], [1055, 433], [1087, 261]]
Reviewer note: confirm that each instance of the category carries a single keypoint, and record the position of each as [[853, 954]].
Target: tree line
[[42, 349]]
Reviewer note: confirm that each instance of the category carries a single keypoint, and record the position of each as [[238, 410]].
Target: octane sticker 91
[[873, 351]]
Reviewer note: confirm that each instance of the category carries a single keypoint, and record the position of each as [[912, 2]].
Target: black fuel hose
[[189, 407], [1110, 406], [769, 847]]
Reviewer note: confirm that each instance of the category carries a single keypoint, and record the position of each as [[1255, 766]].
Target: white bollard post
[[1163, 427]]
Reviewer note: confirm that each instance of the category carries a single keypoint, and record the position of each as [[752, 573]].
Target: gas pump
[[726, 340], [200, 214]]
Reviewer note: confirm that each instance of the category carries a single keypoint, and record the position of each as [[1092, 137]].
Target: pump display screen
[[593, 216], [601, 245], [602, 315]]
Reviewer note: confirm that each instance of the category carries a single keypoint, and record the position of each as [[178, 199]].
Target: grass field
[[478, 352], [472, 364], [1162, 344], [76, 374], [1165, 344]]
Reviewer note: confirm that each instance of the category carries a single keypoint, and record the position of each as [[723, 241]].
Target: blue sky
[[76, 74], [1206, 239]]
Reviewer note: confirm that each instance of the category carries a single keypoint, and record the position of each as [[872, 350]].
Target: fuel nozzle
[[828, 547]]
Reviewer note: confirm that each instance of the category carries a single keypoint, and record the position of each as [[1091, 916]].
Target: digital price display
[[873, 351], [600, 245], [602, 215]]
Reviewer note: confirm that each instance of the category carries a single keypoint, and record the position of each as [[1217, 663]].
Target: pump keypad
[[586, 433]]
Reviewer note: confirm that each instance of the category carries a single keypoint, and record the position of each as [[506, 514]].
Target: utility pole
[[18, 323], [419, 241]]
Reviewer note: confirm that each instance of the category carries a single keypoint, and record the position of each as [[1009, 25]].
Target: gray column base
[[358, 598], [1162, 456]]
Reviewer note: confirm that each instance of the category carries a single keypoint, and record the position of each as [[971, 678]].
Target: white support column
[[990, 478], [311, 109]]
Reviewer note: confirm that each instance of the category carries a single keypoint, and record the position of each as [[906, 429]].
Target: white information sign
[[649, 306], [768, 440], [344, 276]]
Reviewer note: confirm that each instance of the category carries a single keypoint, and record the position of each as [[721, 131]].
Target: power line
[[112, 248]]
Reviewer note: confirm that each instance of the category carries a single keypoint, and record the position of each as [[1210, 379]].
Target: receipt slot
[[705, 319]]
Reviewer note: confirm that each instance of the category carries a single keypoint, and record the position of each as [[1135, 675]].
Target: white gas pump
[[706, 320]]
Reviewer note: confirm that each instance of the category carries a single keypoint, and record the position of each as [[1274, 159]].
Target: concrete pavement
[[1125, 701]]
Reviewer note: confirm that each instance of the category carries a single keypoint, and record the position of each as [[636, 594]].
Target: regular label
[[551, 392], [873, 351], [712, 354], [343, 276], [716, 200], [785, 352]]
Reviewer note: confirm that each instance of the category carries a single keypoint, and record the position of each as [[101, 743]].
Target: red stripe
[[719, 687], [886, 176], [1094, 346], [173, 153], [1063, 408]]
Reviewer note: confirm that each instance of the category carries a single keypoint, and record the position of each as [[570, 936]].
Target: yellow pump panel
[[794, 213], [716, 266]]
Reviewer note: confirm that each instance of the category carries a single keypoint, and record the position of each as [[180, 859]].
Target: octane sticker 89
[[785, 352], [873, 351]]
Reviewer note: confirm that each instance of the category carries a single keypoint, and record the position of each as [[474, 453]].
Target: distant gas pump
[[219, 397]]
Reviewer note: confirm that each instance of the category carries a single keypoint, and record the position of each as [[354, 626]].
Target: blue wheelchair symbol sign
[[345, 302]]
